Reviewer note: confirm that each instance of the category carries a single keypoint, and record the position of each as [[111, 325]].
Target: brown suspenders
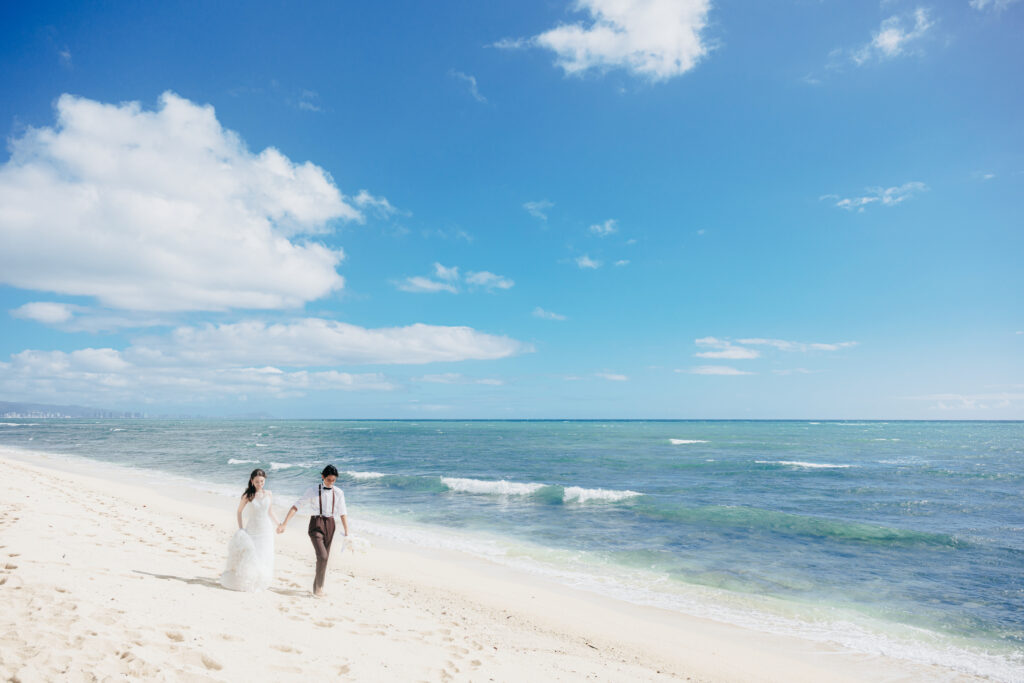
[[321, 498]]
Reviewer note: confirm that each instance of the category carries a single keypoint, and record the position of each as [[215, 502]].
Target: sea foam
[[236, 461], [806, 465], [365, 475], [567, 494], [580, 495], [289, 465], [500, 487], [679, 442]]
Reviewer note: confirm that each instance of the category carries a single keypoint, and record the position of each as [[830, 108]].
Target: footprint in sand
[[175, 636], [211, 663], [10, 566], [285, 648]]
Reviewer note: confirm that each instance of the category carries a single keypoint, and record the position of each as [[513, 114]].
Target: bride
[[250, 564]]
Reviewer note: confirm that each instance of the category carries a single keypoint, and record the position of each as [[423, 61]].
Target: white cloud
[[793, 371], [888, 196], [587, 262], [458, 378], [418, 285], [314, 342], [994, 5], [65, 57], [604, 229], [44, 312], [715, 370], [538, 209], [893, 37], [612, 377], [652, 39], [622, 262], [165, 210], [286, 359], [488, 280], [547, 315], [309, 100], [378, 205], [450, 277], [802, 347], [75, 318], [730, 353], [988, 401], [448, 274], [91, 375], [471, 82], [724, 349]]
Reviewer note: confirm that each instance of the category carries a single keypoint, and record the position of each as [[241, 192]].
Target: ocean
[[899, 537]]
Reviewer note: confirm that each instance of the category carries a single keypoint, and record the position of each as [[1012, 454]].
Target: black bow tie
[[328, 488]]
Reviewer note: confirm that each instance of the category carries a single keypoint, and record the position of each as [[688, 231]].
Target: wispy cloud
[[471, 82], [447, 274], [894, 36], [652, 39], [488, 280], [44, 312], [986, 401], [612, 376], [622, 262], [458, 378], [724, 350], [714, 370], [64, 54], [76, 318], [993, 5], [604, 229], [448, 279], [799, 347], [418, 284], [585, 262], [547, 315], [380, 206], [309, 100], [209, 361], [539, 209], [883, 196]]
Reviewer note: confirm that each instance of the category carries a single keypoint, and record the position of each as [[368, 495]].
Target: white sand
[[103, 577]]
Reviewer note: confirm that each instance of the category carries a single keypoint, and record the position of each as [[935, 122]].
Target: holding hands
[[280, 528]]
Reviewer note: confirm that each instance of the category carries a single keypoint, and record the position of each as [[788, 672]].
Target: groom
[[325, 501]]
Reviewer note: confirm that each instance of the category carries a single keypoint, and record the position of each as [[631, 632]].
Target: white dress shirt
[[333, 500]]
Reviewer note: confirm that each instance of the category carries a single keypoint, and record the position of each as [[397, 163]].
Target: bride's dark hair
[[250, 491]]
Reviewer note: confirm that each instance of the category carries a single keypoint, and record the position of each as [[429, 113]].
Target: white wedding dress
[[250, 565]]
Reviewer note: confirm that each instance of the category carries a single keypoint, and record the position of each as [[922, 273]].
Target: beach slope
[[107, 577]]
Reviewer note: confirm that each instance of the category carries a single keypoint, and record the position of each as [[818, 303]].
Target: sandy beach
[[105, 577]]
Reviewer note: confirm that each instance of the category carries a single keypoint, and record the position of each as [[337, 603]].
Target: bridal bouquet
[[356, 544]]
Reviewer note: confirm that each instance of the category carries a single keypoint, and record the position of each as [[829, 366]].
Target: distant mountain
[[10, 409]]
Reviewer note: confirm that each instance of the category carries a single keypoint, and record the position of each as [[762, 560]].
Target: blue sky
[[683, 209]]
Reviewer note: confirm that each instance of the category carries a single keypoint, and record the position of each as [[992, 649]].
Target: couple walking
[[250, 565]]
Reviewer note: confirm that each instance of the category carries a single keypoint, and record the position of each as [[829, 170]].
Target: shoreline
[[448, 615]]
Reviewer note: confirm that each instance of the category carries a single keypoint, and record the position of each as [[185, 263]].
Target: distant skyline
[[662, 209]]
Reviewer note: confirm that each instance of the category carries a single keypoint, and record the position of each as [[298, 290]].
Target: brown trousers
[[321, 533]]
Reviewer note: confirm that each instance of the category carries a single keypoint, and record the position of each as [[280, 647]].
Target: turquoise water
[[884, 536]]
